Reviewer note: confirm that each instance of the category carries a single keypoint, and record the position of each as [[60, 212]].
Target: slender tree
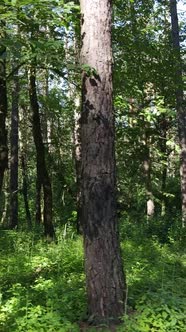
[[43, 179], [25, 190], [180, 104], [3, 114], [104, 274], [14, 153], [148, 181], [24, 144], [77, 158]]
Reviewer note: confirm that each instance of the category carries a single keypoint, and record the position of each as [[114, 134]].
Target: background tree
[[14, 139], [42, 173], [3, 109], [180, 103]]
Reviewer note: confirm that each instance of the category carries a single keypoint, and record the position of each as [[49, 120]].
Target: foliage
[[154, 314], [43, 284], [156, 282]]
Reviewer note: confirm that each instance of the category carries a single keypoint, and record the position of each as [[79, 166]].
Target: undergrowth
[[43, 284]]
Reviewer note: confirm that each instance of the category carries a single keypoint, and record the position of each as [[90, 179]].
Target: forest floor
[[43, 284], [84, 327]]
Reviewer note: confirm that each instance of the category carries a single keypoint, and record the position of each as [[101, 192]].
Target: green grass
[[43, 284]]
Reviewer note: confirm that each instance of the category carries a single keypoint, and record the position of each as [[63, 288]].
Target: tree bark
[[163, 149], [77, 158], [42, 172], [3, 114], [24, 144], [4, 213], [180, 103], [38, 198], [150, 206], [103, 264], [14, 140], [25, 191]]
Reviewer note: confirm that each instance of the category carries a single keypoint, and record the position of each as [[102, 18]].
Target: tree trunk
[[4, 213], [163, 188], [150, 206], [14, 138], [42, 176], [150, 200], [180, 104], [77, 158], [75, 96], [24, 147], [3, 114], [38, 198], [163, 149], [25, 191], [103, 264]]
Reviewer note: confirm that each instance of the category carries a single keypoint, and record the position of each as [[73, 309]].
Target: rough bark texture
[[103, 265], [14, 154], [180, 103], [3, 114], [42, 172]]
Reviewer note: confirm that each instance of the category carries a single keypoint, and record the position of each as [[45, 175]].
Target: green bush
[[43, 284], [155, 313]]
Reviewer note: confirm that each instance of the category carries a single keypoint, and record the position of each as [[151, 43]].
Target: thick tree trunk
[[180, 104], [103, 264], [42, 175], [3, 114], [14, 154]]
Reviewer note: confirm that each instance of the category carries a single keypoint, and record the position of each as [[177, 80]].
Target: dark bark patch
[[82, 20], [84, 89], [84, 117], [3, 157], [101, 119], [83, 36], [97, 77], [93, 82], [88, 105]]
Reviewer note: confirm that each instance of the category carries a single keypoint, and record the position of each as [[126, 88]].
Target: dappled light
[[92, 166]]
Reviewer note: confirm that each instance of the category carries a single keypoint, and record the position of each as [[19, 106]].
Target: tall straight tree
[[42, 172], [14, 153], [3, 114], [103, 264], [180, 104]]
